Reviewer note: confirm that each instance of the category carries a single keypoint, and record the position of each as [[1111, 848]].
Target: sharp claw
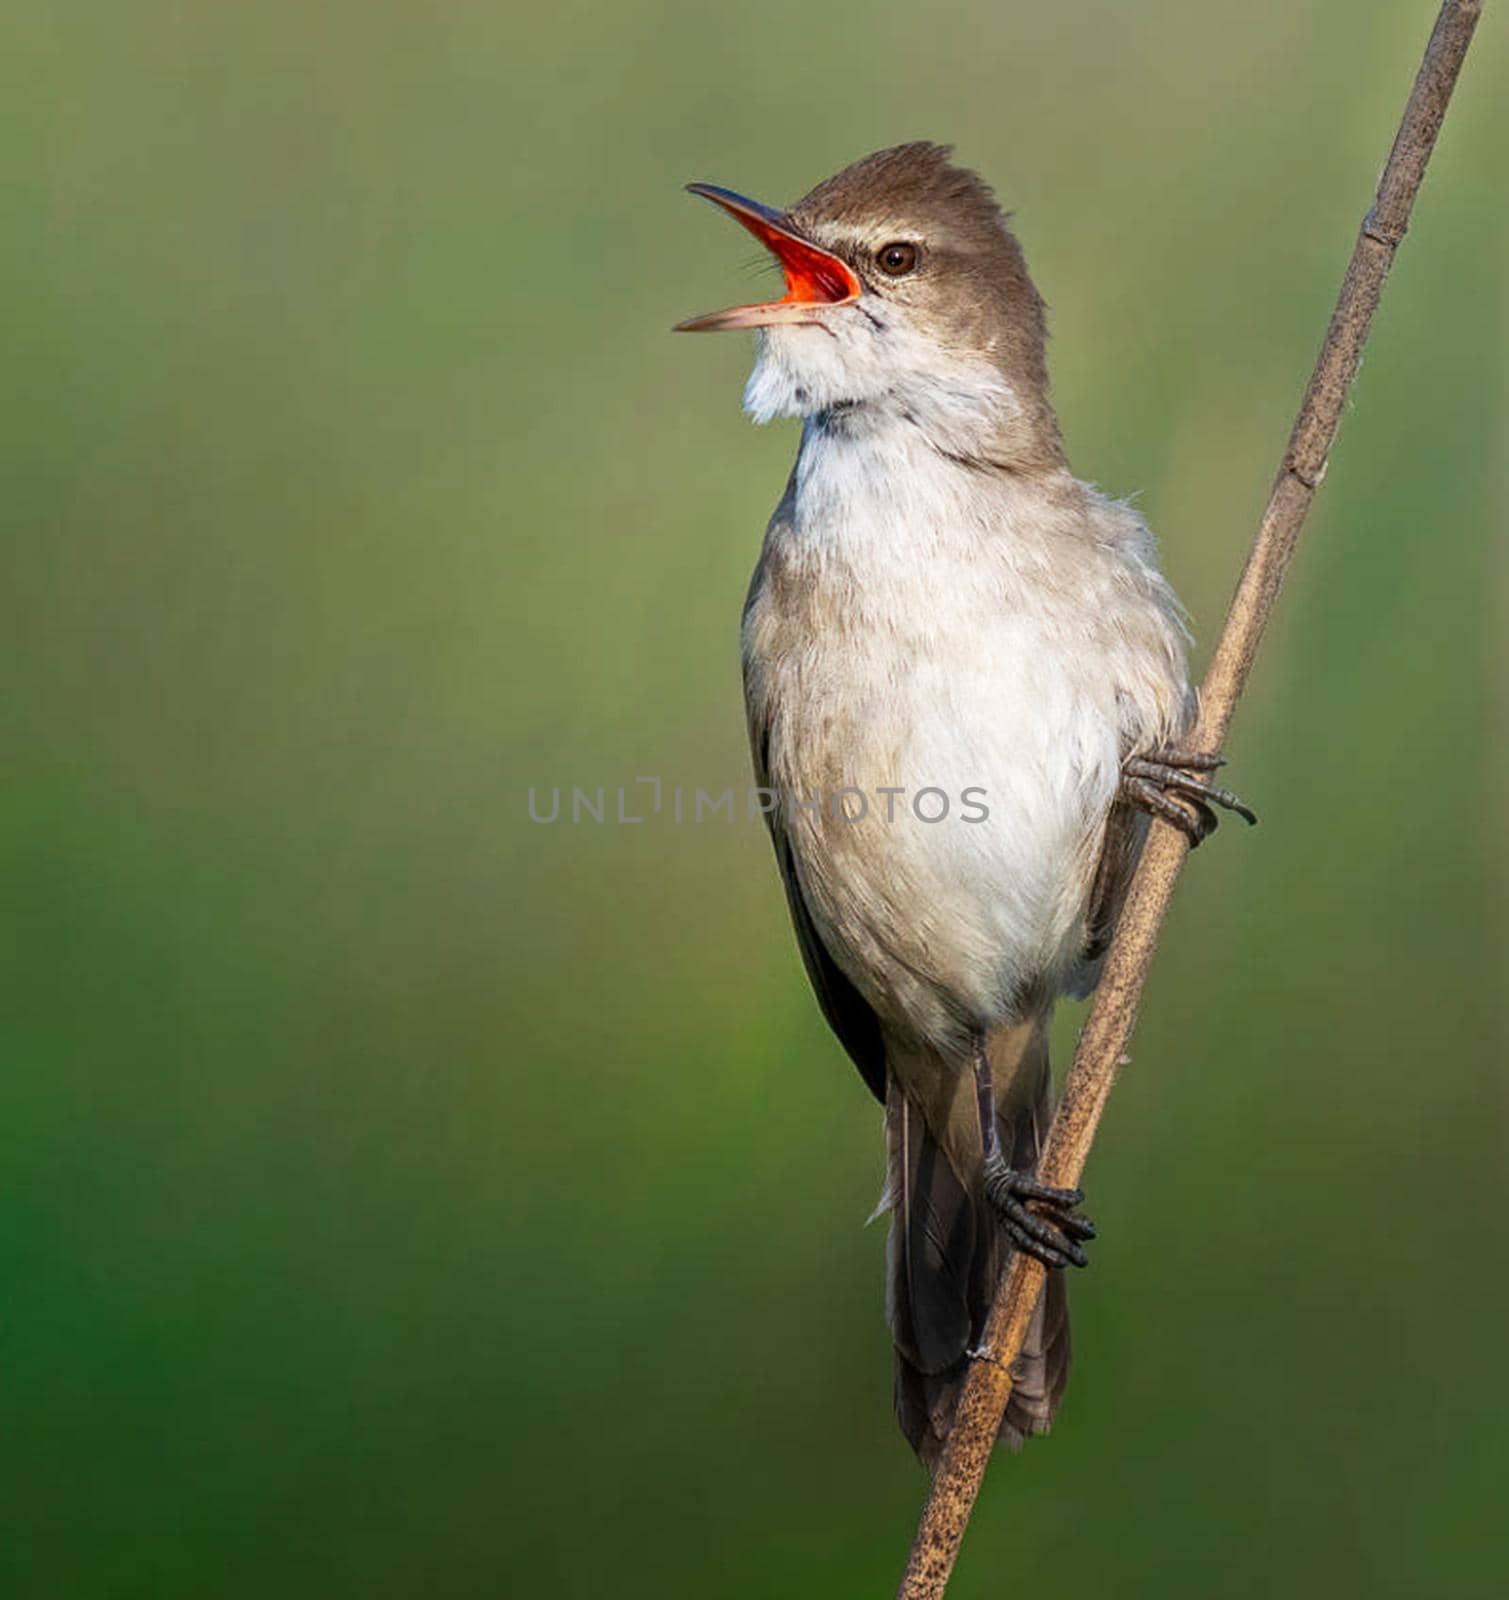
[[1216, 795]]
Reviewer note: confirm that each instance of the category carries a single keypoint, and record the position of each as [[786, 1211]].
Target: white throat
[[874, 370]]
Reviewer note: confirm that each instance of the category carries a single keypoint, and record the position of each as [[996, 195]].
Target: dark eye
[[896, 259]]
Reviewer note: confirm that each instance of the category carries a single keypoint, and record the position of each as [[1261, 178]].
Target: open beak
[[813, 277]]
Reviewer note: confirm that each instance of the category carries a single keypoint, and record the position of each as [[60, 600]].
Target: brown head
[[905, 290]]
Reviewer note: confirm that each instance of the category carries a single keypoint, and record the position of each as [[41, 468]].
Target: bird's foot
[[1054, 1234], [1169, 784]]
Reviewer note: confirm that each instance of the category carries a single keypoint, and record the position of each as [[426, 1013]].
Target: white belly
[[970, 881]]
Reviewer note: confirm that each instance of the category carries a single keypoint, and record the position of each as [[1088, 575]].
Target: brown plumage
[[981, 299], [940, 604], [945, 1254]]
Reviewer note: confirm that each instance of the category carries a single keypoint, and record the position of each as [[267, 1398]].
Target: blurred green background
[[402, 1198]]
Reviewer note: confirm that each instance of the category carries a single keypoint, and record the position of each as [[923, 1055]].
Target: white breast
[[918, 623]]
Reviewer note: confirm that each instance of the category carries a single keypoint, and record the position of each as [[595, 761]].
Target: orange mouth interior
[[814, 276]]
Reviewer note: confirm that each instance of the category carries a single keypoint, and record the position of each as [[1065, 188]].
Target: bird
[[967, 691]]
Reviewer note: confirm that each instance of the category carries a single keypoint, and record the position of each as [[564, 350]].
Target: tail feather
[[930, 1253], [944, 1257]]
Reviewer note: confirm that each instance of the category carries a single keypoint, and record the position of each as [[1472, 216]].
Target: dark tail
[[944, 1257]]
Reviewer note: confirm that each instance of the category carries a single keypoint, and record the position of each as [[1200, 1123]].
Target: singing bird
[[941, 605]]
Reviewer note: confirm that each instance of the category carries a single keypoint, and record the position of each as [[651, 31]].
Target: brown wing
[[1125, 831], [847, 1011]]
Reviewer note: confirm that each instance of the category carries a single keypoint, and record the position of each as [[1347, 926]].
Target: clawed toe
[[1054, 1235], [1167, 784]]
